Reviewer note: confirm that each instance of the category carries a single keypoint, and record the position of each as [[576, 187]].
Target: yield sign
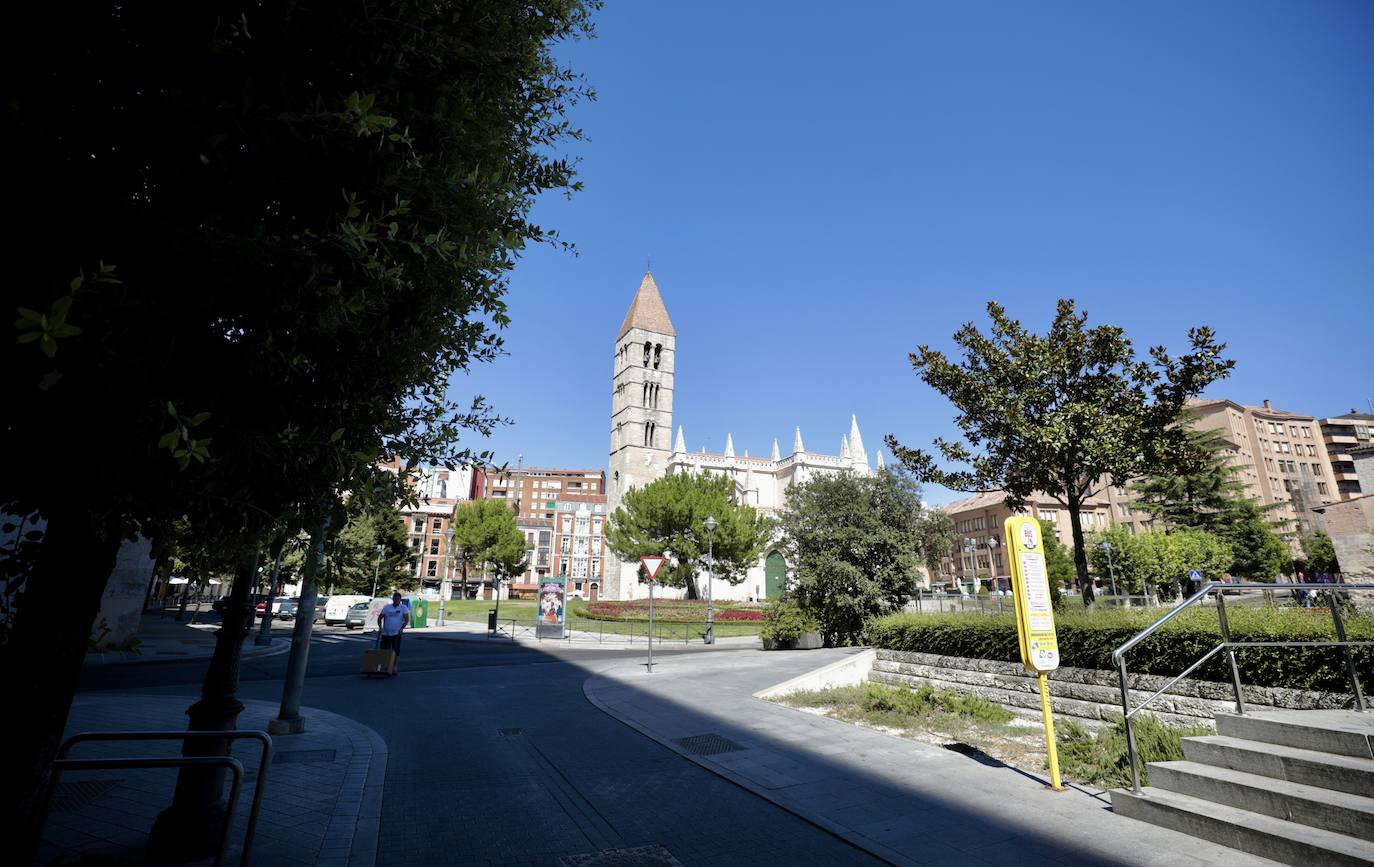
[[652, 565]]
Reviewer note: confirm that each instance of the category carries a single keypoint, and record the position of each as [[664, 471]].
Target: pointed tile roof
[[647, 310]]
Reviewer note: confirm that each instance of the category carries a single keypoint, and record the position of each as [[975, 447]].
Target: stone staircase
[[1292, 786]]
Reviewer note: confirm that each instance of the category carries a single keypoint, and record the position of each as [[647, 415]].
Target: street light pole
[[710, 576], [445, 589], [376, 570], [1106, 547]]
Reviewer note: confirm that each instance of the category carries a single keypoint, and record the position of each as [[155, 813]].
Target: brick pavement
[[323, 811], [902, 801]]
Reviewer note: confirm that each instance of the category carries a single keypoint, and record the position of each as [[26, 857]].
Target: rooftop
[[647, 310]]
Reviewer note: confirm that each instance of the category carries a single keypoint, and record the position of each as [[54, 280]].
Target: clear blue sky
[[822, 187]]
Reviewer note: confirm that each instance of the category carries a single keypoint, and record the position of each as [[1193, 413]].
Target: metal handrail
[[1119, 655], [265, 759]]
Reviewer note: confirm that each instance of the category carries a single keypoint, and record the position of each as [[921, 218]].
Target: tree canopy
[[485, 532], [1318, 554], [936, 537], [854, 542], [1058, 413], [667, 518], [1193, 483], [1158, 563]]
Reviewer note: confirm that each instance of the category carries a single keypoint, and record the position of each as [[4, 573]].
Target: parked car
[[321, 605], [285, 609], [357, 615], [336, 612]]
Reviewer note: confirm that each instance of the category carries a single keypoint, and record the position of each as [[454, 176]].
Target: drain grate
[[510, 733], [291, 757], [71, 796], [638, 856], [708, 745]]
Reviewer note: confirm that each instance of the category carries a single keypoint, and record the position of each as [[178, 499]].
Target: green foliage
[[485, 532], [1319, 554], [1260, 555], [1060, 412], [936, 537], [350, 552], [784, 621], [897, 704], [1105, 761], [1158, 561], [665, 519], [1193, 482], [853, 540], [1087, 639], [1058, 563]]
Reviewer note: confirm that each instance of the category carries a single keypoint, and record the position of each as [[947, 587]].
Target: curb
[[877, 850]]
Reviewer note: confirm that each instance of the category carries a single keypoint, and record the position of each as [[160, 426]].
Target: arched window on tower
[[644, 396], [649, 433], [648, 347], [658, 354]]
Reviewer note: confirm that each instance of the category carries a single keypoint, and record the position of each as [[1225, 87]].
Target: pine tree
[[1194, 484]]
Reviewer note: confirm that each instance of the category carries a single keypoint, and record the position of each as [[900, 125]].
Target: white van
[[337, 609]]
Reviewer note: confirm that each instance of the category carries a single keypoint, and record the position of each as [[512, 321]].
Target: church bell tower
[[641, 412]]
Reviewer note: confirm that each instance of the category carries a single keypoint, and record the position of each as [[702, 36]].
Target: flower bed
[[687, 610]]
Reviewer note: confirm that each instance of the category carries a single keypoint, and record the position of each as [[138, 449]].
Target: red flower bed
[[688, 610]]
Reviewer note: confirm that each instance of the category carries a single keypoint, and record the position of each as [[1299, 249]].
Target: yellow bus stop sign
[[1034, 617]]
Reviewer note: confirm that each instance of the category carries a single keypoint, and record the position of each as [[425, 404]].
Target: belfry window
[[658, 354], [648, 347]]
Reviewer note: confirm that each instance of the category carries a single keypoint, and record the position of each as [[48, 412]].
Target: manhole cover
[[70, 796], [708, 745], [511, 733], [297, 756], [637, 856]]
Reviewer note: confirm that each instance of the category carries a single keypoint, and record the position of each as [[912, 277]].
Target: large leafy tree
[[666, 518], [936, 538], [1061, 413], [1159, 562], [257, 243], [853, 541], [485, 533]]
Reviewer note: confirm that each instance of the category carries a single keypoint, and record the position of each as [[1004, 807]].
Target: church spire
[[776, 455], [856, 441], [647, 310], [729, 446], [680, 446], [844, 447], [881, 465], [797, 446]]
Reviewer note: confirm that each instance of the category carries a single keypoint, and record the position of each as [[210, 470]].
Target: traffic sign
[[652, 565], [1194, 574]]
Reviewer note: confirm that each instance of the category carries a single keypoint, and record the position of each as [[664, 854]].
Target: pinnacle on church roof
[[776, 455], [680, 446], [647, 310], [880, 459], [844, 447], [856, 441], [797, 446], [729, 446]]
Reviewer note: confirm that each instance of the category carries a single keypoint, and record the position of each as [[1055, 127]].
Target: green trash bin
[[419, 611]]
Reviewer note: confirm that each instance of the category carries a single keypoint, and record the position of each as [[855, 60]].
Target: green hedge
[[1087, 639]]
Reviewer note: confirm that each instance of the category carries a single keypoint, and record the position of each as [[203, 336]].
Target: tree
[[351, 560], [936, 537], [486, 533], [1259, 553], [1191, 549], [1059, 413], [854, 542], [1157, 561], [1058, 561], [1319, 554], [1194, 483], [262, 241], [666, 517]]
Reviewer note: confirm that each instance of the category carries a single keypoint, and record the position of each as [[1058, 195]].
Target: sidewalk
[[577, 639], [321, 805], [163, 638], [903, 801]]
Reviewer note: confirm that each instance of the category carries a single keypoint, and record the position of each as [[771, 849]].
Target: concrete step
[[1266, 836], [1343, 732], [1327, 809], [1307, 767]]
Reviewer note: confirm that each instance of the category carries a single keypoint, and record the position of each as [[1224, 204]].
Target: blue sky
[[823, 187]]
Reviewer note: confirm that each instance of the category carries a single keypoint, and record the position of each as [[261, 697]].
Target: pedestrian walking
[[392, 622]]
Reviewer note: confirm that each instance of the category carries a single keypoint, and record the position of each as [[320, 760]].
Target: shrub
[[677, 610], [1087, 639], [1105, 759], [786, 621]]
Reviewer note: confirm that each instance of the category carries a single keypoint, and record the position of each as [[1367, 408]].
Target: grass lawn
[[524, 611]]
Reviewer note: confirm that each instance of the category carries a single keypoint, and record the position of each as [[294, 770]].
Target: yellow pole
[[1049, 733]]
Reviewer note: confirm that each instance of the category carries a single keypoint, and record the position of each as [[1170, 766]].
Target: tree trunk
[[1080, 551], [189, 829], [41, 664]]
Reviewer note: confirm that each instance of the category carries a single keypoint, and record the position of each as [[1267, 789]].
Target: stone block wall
[[1088, 696]]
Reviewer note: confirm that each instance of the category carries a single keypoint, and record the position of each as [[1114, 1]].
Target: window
[[1307, 432], [648, 347], [658, 354], [1124, 509], [1321, 488], [434, 546], [432, 569], [438, 524], [1049, 514], [1293, 431]]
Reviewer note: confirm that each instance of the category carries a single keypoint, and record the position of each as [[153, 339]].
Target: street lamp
[[1106, 548], [710, 526], [376, 570], [445, 589]]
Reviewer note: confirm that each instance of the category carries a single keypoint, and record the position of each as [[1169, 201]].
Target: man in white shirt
[[392, 621]]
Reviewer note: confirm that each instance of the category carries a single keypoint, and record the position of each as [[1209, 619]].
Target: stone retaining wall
[[1089, 696]]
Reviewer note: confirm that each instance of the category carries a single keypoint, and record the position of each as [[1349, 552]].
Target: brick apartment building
[[1349, 443]]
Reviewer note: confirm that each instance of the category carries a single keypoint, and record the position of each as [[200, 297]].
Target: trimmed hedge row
[[668, 610], [1087, 639]]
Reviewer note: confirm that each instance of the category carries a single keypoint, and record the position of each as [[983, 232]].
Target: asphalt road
[[496, 757]]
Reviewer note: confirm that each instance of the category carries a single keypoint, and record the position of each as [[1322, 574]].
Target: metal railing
[[62, 763], [1229, 646]]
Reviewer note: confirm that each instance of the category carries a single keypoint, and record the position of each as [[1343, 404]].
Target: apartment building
[[437, 492], [1349, 443], [1281, 457]]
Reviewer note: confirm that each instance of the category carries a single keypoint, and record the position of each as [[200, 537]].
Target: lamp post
[[446, 588], [376, 570], [1106, 548], [710, 526]]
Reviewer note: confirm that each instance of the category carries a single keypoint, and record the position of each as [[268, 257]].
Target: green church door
[[774, 575]]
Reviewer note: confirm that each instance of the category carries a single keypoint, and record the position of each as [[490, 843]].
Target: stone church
[[644, 448]]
